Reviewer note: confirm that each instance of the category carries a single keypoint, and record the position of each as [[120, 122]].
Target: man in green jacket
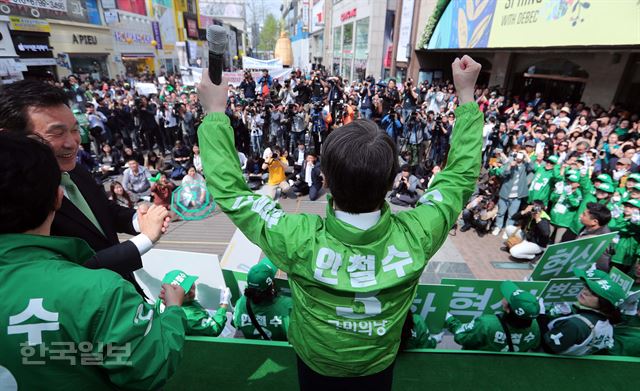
[[63, 326], [353, 274], [515, 330], [543, 181]]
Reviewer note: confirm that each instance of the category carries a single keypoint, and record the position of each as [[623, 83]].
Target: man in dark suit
[[310, 181], [86, 213]]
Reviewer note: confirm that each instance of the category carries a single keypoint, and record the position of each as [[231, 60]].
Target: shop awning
[[11, 66]]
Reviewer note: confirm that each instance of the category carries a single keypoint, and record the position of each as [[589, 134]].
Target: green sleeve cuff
[[466, 108]]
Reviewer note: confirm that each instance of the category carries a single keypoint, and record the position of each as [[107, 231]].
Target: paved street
[[464, 255]]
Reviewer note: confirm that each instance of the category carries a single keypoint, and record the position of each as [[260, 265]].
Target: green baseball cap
[[260, 277], [604, 178], [606, 187], [601, 284], [266, 261], [178, 277], [633, 202], [634, 177], [523, 303], [551, 159], [573, 178]]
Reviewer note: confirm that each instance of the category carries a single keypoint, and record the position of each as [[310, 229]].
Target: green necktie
[[76, 198]]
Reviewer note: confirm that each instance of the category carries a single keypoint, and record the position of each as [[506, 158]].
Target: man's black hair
[[360, 163], [29, 180], [599, 212], [18, 97]]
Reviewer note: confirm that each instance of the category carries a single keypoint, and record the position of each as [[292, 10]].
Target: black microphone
[[217, 39]]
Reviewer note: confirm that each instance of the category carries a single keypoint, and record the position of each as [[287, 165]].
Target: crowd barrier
[[238, 364]]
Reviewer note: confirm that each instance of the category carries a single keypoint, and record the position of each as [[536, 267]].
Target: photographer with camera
[[318, 87], [286, 94], [277, 165], [318, 125], [479, 214], [514, 188], [390, 96], [531, 236], [440, 139], [248, 87], [366, 95], [392, 125], [299, 122], [409, 99], [404, 190], [145, 113], [414, 134]]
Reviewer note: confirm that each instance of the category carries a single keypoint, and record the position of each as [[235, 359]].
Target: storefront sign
[[81, 39], [536, 23], [54, 5], [6, 44], [559, 260], [83, 11], [191, 24], [32, 45], [155, 26], [404, 36], [38, 62], [348, 15], [132, 38], [19, 23], [317, 16], [137, 7]]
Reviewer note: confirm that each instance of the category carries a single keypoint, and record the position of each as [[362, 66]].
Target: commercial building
[[588, 51]]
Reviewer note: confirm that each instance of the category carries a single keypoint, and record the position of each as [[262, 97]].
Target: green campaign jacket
[[420, 337], [272, 317], [565, 207], [627, 245], [351, 289], [486, 333], [626, 337], [541, 185], [199, 321], [65, 327]]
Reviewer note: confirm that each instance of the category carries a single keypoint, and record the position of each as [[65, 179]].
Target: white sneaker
[[496, 231], [505, 236]]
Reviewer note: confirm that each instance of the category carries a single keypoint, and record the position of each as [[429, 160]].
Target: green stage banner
[[559, 260], [562, 290], [473, 298], [622, 279], [432, 303]]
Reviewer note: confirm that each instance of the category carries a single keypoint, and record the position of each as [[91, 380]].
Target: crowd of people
[[536, 171]]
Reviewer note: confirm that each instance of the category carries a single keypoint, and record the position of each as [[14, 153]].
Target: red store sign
[[348, 15]]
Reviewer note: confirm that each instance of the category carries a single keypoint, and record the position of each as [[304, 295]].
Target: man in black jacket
[[310, 181], [86, 213], [596, 218]]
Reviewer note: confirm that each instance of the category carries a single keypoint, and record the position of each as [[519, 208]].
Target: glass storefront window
[[361, 48], [337, 34]]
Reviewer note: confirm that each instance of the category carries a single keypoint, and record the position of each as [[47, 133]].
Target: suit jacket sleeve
[[121, 258], [123, 218]]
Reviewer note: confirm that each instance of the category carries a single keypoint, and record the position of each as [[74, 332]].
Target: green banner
[[622, 279], [559, 260], [473, 298], [431, 303], [562, 290]]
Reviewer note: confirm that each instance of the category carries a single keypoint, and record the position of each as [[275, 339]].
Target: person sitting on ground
[[76, 306], [361, 261], [405, 186], [515, 330], [153, 163], [277, 166], [589, 328], [262, 313], [110, 160], [199, 322], [194, 188], [479, 214], [119, 195], [161, 190], [135, 180], [310, 178], [531, 236]]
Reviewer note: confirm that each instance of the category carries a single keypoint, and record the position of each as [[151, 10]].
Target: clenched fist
[[465, 73]]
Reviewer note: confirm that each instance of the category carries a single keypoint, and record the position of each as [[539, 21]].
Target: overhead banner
[[254, 63], [559, 260], [536, 23]]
